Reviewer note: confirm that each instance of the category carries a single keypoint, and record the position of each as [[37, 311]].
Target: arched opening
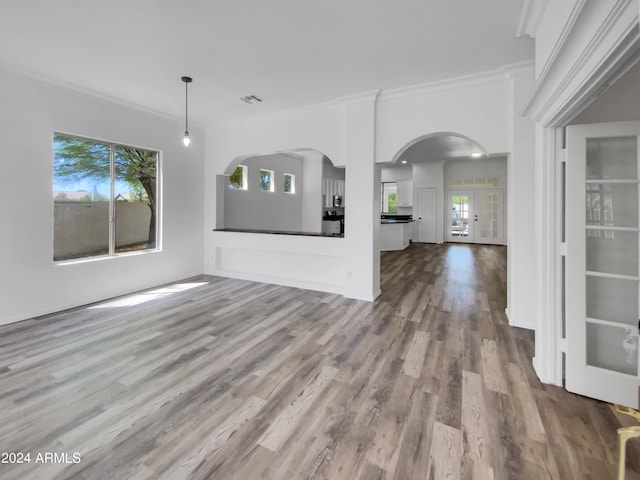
[[292, 191], [448, 187]]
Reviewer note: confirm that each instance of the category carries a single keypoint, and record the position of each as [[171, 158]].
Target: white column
[[362, 196]]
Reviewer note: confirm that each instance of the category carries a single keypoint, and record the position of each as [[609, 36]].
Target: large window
[[389, 197], [105, 198]]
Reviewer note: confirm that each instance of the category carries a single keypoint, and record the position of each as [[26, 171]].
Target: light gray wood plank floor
[[240, 380]]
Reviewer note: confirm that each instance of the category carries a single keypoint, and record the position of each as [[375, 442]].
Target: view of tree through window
[[105, 198], [238, 179], [289, 183], [266, 180], [389, 197]]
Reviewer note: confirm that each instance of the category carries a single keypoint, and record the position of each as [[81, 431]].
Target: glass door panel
[[476, 216], [610, 251], [612, 348], [612, 299], [614, 157], [612, 204], [459, 223], [602, 282], [489, 216]]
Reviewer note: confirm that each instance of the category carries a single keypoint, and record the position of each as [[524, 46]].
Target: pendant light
[[186, 139]]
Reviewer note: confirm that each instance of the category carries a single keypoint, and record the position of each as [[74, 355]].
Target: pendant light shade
[[186, 140]]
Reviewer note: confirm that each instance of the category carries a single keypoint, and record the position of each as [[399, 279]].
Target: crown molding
[[621, 26], [92, 94], [530, 17], [367, 96], [502, 73]]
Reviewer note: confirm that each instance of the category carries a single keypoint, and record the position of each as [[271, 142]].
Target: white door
[[427, 215], [602, 276], [476, 216]]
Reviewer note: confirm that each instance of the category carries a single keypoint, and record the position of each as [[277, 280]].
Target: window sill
[[102, 258]]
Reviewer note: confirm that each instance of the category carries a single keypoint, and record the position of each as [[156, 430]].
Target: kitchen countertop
[[278, 232], [385, 221]]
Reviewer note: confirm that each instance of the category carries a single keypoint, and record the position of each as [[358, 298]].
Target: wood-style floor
[[241, 380]]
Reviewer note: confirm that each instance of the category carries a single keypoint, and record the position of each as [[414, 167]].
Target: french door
[[602, 277], [475, 216]]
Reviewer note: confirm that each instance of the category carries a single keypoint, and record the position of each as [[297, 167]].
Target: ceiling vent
[[251, 99]]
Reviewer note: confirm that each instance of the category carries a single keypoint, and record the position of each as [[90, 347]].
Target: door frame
[[582, 377], [564, 86]]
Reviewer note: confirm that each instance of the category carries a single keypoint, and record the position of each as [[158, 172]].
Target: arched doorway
[[456, 188]]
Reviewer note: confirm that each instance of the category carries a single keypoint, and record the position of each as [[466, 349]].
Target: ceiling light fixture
[[476, 154], [186, 139]]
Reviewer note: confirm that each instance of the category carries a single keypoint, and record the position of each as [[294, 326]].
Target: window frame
[[292, 184], [245, 182], [382, 197], [112, 253], [272, 186]]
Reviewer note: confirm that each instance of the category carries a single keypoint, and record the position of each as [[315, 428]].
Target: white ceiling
[[292, 53], [441, 146]]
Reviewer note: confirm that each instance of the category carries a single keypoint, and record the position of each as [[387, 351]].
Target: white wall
[[475, 107], [311, 262], [257, 209], [520, 213], [395, 173], [30, 283], [311, 132], [361, 132]]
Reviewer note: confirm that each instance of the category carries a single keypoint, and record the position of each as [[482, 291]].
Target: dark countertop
[[278, 232], [385, 221]]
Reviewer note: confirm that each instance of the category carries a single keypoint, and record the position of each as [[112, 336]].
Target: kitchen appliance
[[337, 200]]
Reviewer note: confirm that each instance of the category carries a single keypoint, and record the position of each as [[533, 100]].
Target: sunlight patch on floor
[[144, 297]]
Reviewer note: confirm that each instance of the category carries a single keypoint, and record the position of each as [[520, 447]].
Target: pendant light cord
[[186, 106]]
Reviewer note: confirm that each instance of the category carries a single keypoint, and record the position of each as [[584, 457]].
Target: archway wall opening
[[476, 108], [364, 131], [293, 199]]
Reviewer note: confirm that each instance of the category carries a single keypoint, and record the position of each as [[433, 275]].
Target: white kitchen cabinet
[[394, 236], [331, 187], [332, 227], [405, 193]]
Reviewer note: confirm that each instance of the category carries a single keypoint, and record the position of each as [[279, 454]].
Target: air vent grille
[[251, 99]]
